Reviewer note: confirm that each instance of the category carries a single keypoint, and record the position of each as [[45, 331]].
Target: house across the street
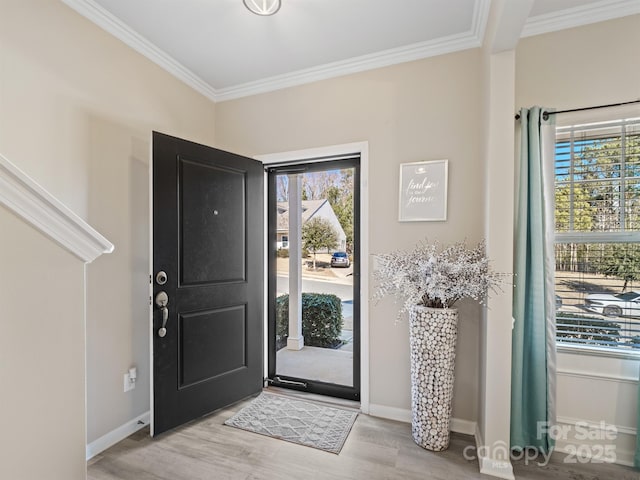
[[310, 209]]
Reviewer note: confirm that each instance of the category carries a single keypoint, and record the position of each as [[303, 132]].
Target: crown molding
[[22, 195], [453, 43], [105, 20], [480, 19], [574, 17], [385, 58], [578, 16]]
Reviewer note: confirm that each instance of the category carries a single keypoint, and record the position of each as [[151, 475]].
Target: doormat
[[297, 421]]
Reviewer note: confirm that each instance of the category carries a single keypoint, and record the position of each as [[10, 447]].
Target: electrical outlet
[[128, 384]]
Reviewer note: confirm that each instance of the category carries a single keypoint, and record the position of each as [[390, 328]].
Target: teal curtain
[[533, 348]]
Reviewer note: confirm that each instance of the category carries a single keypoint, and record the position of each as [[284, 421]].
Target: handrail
[[36, 206]]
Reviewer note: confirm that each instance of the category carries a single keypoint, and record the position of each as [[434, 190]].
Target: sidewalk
[[344, 279], [324, 273]]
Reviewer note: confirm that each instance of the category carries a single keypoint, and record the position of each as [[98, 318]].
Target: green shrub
[[573, 328], [282, 253], [321, 320]]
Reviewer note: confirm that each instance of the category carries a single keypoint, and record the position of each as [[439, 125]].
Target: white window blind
[[597, 224]]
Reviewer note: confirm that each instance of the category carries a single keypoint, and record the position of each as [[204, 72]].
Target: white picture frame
[[423, 191]]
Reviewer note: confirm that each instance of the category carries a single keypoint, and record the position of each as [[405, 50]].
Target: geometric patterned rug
[[297, 421]]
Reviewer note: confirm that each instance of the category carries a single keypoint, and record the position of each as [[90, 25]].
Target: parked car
[[622, 304], [340, 259]]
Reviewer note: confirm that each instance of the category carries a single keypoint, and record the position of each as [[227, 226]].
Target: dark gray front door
[[208, 238]]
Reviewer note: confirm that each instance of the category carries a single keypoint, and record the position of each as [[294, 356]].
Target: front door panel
[[212, 206], [208, 238]]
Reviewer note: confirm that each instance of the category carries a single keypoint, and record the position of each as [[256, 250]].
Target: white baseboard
[[114, 436], [458, 425], [390, 413], [622, 457], [491, 466], [495, 468], [466, 427], [591, 448]]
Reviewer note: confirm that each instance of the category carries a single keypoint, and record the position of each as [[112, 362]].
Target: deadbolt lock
[[161, 278]]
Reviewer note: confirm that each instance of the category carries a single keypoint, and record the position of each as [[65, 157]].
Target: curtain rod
[[545, 115]]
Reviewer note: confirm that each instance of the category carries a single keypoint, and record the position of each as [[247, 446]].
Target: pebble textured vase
[[433, 334]]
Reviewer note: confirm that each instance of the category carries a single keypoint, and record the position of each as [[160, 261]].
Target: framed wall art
[[423, 191]]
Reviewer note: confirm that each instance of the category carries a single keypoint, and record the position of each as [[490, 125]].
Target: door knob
[[162, 300]]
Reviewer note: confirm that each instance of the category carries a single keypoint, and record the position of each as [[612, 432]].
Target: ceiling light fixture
[[263, 7]]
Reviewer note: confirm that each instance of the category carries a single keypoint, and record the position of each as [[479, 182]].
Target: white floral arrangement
[[436, 277]]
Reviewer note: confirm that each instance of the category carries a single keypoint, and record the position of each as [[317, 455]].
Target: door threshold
[[314, 397]]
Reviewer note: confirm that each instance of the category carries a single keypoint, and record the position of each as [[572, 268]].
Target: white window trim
[[597, 351]]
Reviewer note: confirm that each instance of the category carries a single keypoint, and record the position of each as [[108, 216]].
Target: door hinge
[[150, 300], [150, 279]]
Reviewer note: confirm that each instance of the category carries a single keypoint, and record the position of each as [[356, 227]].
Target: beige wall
[[581, 67], [76, 111], [41, 356], [424, 110]]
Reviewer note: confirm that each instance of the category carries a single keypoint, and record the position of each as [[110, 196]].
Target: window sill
[[598, 351]]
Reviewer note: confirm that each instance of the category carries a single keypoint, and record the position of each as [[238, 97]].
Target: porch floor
[[315, 363]]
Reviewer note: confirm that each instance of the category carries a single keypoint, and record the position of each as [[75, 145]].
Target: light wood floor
[[376, 449]]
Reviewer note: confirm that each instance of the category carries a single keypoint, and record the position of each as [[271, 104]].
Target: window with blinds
[[597, 224]]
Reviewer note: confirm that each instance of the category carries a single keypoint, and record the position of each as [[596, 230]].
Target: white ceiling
[[224, 51]]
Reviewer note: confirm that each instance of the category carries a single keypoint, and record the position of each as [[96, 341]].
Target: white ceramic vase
[[433, 334]]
